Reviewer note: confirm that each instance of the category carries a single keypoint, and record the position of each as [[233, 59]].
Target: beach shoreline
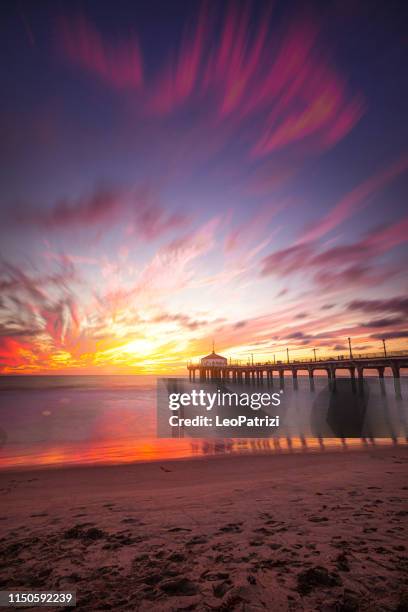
[[269, 447], [309, 531]]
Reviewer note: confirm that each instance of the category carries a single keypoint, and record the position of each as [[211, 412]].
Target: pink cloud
[[288, 260], [168, 272], [354, 201], [237, 58], [388, 237], [276, 93], [342, 266], [74, 259], [387, 305], [373, 244], [355, 275], [393, 335], [119, 66], [101, 205], [315, 105], [139, 208], [179, 78], [254, 231], [42, 304]]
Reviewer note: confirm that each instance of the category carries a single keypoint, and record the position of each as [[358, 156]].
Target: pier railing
[[313, 359], [345, 357]]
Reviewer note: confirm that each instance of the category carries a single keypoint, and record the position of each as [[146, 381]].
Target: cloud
[[390, 335], [179, 78], [250, 232], [39, 304], [118, 66], [139, 208], [387, 322], [388, 236], [298, 335], [14, 280], [183, 320], [60, 318], [168, 272], [288, 260], [239, 324], [356, 275], [270, 83], [342, 266], [394, 304], [103, 205], [151, 220], [8, 329], [354, 201], [327, 116]]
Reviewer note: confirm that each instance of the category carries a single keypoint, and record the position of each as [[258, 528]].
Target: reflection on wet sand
[[111, 452]]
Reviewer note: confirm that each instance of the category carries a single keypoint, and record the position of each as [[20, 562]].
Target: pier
[[264, 372]]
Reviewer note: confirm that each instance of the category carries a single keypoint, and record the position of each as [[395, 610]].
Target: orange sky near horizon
[[206, 172]]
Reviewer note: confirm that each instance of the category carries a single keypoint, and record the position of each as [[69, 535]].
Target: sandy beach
[[323, 531]]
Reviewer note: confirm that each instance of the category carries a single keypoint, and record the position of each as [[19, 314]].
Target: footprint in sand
[[179, 586], [198, 539], [231, 528], [263, 531], [177, 557], [177, 529], [318, 519], [342, 562], [316, 577], [79, 533], [219, 590], [214, 576]]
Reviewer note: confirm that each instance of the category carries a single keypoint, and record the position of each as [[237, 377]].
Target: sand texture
[[324, 531]]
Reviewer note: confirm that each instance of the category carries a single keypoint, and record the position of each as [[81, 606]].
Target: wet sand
[[323, 531]]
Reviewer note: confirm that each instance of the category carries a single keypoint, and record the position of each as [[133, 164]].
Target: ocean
[[83, 420]]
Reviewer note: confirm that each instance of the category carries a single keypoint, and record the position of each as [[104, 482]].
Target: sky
[[178, 172]]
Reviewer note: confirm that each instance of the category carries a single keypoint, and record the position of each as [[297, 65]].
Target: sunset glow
[[214, 174]]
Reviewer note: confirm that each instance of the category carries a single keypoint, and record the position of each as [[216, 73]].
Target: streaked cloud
[[118, 65], [139, 208], [355, 201], [237, 178]]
